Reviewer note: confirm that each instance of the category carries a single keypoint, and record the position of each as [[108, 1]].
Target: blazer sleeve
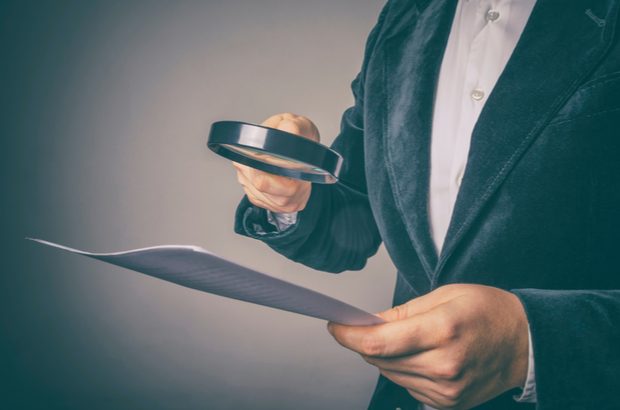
[[336, 231], [576, 343]]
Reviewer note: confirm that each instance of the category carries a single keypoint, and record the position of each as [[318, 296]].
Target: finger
[[240, 167], [310, 130], [255, 196], [275, 203], [412, 335], [274, 120], [294, 124], [406, 365], [244, 170], [300, 126], [416, 306], [291, 125], [266, 205], [258, 199], [265, 185], [424, 390], [270, 184], [430, 364]]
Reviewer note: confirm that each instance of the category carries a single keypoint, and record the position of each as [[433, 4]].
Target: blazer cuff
[[254, 222], [575, 337]]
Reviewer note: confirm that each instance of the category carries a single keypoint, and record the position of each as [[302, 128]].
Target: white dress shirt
[[483, 36]]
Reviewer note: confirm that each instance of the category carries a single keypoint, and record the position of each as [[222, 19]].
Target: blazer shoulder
[[395, 15]]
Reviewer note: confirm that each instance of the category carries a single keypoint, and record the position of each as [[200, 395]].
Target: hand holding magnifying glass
[[278, 160], [274, 192]]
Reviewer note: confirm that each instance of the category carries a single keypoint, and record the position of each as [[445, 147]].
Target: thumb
[[290, 126], [295, 124], [417, 306]]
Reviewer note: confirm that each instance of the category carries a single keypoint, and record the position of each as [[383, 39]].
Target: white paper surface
[[196, 268]]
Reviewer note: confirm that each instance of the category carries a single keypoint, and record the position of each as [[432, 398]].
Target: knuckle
[[253, 200], [260, 182], [400, 311], [448, 327], [298, 187], [291, 186], [290, 125], [450, 370], [453, 395], [372, 344], [281, 202], [289, 193], [451, 332]]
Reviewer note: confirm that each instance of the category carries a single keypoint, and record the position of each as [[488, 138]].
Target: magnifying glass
[[275, 151]]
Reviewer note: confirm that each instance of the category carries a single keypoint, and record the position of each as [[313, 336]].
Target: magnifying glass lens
[[275, 159], [275, 151]]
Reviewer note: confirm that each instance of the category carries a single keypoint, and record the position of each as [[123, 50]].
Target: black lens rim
[[278, 142]]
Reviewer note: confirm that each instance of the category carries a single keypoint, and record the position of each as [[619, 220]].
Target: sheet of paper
[[196, 268]]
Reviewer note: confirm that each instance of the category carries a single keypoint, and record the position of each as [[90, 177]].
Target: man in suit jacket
[[530, 251]]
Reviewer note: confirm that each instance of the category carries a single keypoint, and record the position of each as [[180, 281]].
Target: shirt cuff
[[529, 390], [282, 220]]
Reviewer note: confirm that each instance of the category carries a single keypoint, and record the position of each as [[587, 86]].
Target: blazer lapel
[[561, 44], [412, 61]]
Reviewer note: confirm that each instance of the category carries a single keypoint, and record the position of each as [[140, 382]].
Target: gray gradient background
[[105, 109]]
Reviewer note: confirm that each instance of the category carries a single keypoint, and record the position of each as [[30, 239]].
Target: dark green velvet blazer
[[538, 212]]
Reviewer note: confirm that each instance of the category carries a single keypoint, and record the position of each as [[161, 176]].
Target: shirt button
[[492, 15], [459, 179], [477, 94]]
